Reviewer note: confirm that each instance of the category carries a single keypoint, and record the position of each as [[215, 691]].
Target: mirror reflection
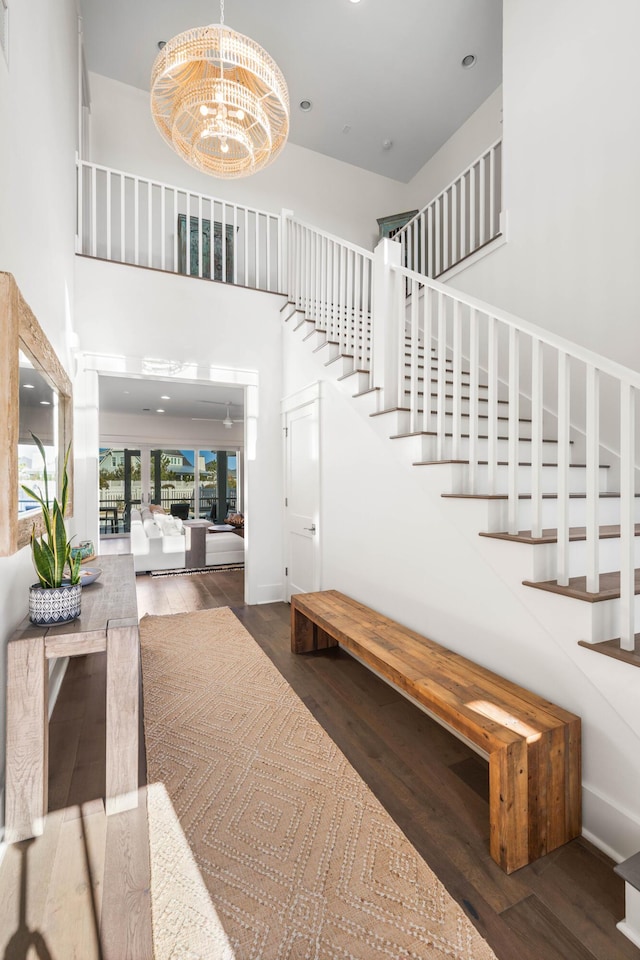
[[38, 414]]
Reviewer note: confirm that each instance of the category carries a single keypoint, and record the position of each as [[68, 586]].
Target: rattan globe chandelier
[[220, 101]]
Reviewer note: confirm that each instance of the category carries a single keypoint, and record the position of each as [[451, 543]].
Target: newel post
[[385, 334], [284, 271]]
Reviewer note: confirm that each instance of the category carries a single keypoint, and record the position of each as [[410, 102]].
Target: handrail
[[604, 364]]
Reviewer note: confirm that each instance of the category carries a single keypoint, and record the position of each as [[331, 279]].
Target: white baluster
[[149, 223], [246, 250], [438, 238], [446, 262], [423, 243], [136, 221], [94, 214], [268, 250], [474, 337], [482, 216], [187, 232], [350, 314], [414, 371], [536, 437], [235, 252], [456, 427], [492, 405], [175, 231], [463, 216], [492, 193], [472, 209], [454, 223], [108, 212], [441, 352], [431, 267], [256, 223], [514, 403], [563, 468], [163, 228], [627, 516], [593, 479], [200, 239]]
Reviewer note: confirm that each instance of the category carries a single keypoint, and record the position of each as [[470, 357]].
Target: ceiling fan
[[228, 422]]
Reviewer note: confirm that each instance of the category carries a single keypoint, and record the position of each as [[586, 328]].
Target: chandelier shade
[[220, 101]]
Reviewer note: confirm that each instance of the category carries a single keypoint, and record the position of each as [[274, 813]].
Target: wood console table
[[108, 621]]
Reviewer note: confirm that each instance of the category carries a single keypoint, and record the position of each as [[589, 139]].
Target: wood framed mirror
[[35, 396]]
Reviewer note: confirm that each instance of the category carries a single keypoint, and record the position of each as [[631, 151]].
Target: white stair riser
[[544, 562], [549, 479], [609, 512], [340, 366], [356, 382]]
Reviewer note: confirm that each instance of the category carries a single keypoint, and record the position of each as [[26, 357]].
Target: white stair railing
[[464, 217], [131, 219], [534, 385], [330, 281]]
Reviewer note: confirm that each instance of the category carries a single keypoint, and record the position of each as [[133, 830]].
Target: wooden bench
[[533, 747]]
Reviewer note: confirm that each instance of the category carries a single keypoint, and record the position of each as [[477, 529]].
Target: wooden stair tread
[[577, 587], [611, 648], [607, 531]]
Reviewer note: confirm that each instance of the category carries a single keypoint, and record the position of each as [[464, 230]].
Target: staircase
[[501, 421]]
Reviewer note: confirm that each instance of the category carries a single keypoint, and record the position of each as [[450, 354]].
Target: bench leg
[[306, 636], [509, 806]]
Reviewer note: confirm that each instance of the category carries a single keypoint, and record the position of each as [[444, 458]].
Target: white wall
[[37, 202], [482, 129], [133, 313], [327, 193], [388, 539], [571, 160]]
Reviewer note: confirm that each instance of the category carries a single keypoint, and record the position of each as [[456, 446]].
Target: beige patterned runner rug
[[265, 842]]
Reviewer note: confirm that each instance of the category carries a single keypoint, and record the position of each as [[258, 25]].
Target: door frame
[[313, 393]]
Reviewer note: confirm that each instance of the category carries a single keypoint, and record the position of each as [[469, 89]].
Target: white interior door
[[302, 475]]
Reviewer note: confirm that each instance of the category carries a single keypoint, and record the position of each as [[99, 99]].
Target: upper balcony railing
[[130, 219], [463, 218]]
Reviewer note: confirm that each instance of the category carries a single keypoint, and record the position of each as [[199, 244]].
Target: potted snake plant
[[56, 597]]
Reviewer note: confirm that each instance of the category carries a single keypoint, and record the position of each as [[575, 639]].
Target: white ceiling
[[389, 69], [143, 397]]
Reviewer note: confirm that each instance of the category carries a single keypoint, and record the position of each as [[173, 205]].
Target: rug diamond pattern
[[294, 853]]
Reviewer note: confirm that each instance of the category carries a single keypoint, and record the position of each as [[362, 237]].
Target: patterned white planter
[[50, 605]]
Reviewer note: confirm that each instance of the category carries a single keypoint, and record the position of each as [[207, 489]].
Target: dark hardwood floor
[[57, 888]]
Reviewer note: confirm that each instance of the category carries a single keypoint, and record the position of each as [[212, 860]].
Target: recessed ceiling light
[[160, 411], [468, 61], [28, 386], [45, 403], [305, 105], [355, 1], [165, 397]]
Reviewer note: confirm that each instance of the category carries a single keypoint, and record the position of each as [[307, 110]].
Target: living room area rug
[[265, 844], [186, 571]]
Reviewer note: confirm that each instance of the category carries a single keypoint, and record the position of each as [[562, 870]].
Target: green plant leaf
[[43, 561], [74, 564], [58, 542], [40, 447]]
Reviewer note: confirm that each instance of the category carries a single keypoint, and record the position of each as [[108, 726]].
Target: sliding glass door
[[120, 488]]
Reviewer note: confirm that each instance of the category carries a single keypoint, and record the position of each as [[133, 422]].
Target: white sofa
[[157, 541], [224, 548]]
